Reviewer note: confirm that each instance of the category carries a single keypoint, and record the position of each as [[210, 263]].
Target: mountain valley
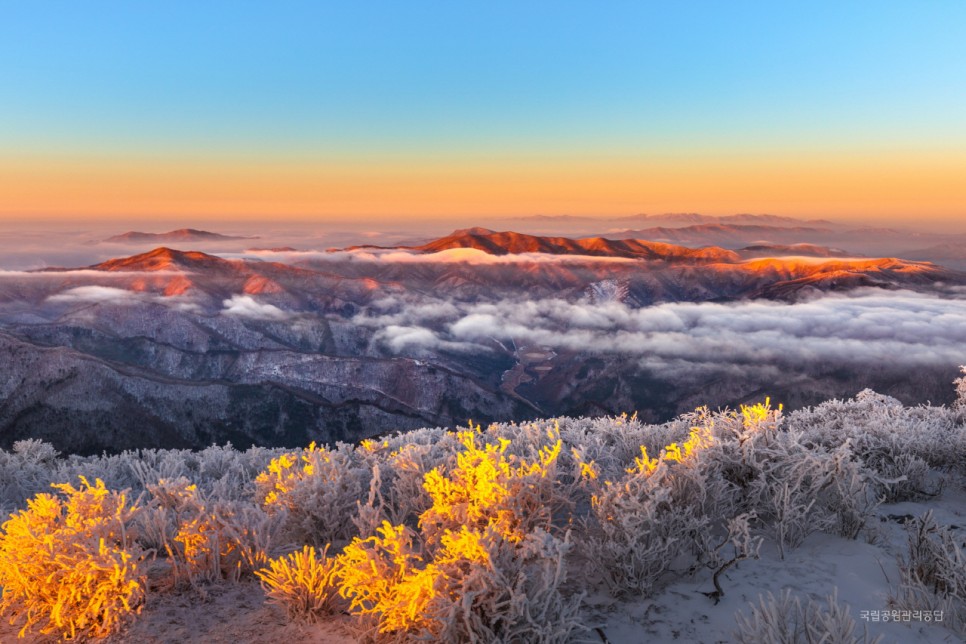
[[183, 348]]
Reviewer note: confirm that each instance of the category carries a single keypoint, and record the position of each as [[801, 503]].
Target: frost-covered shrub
[[516, 593], [797, 488], [482, 566], [641, 533], [302, 583], [207, 540], [783, 620], [319, 489], [25, 471], [399, 465], [69, 563], [935, 559], [881, 430], [933, 573], [612, 443], [743, 545], [649, 519], [489, 487], [959, 405], [220, 472], [471, 586], [851, 495]]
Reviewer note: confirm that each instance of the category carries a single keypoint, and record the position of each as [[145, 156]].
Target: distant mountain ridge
[[681, 219], [691, 218], [793, 250], [867, 241], [514, 243], [180, 235], [508, 242], [732, 234]]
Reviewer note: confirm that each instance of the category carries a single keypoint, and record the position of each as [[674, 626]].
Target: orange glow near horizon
[[875, 187]]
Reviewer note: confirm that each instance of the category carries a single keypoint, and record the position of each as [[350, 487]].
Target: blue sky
[[388, 82], [437, 74]]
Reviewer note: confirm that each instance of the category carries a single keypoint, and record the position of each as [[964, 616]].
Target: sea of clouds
[[869, 326]]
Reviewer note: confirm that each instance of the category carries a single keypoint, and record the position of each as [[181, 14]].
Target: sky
[[396, 111]]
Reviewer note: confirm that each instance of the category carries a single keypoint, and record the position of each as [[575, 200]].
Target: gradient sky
[[394, 110]]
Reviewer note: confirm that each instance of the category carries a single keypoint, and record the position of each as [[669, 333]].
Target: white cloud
[[95, 294], [248, 307], [419, 339], [867, 327], [99, 294]]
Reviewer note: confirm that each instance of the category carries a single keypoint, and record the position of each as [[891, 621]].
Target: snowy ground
[[862, 572]]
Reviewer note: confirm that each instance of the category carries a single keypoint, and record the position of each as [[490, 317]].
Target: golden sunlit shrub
[[319, 488], [69, 564], [384, 578], [302, 583], [761, 416], [482, 567], [488, 487], [473, 586], [699, 438]]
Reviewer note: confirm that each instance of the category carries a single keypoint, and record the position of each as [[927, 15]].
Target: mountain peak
[[163, 259], [179, 235], [514, 243]]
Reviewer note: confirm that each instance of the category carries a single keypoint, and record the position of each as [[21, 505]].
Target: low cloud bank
[[245, 306], [866, 327], [97, 294]]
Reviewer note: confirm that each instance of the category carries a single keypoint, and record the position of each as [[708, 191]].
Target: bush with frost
[[799, 491], [207, 540], [933, 572], [24, 472], [399, 465], [491, 487], [69, 563], [785, 620], [791, 484], [482, 566], [886, 436], [959, 405], [318, 489], [649, 519], [302, 583]]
